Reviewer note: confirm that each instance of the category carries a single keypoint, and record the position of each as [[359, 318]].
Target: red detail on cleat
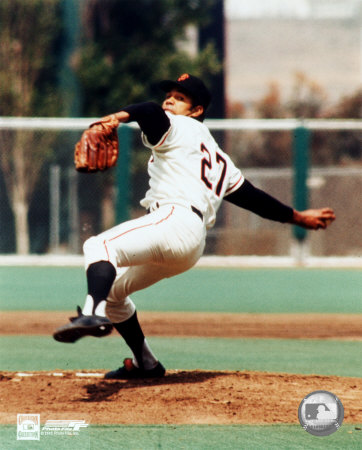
[[128, 364]]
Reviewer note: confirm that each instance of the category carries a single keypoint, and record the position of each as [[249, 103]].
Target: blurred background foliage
[[30, 35], [91, 57], [127, 47], [81, 58], [307, 100]]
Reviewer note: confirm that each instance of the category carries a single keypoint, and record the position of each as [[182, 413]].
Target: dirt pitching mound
[[181, 397]]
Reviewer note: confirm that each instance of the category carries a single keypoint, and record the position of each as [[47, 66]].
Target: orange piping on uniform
[[136, 228], [232, 187], [171, 212], [163, 140]]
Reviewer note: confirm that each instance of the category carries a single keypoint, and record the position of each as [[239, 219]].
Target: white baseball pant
[[164, 243]]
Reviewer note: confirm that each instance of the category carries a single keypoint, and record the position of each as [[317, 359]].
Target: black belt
[[193, 209]]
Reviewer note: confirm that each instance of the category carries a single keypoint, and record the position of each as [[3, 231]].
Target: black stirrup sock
[[100, 277], [132, 333]]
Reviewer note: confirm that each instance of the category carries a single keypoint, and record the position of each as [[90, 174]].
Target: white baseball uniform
[[189, 175]]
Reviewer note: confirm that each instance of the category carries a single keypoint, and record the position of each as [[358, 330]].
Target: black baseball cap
[[192, 86]]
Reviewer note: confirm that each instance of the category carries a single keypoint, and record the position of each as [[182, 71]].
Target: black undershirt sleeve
[[259, 202], [151, 118]]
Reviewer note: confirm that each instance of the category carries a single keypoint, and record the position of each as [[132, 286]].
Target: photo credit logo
[[28, 427], [63, 427], [321, 413]]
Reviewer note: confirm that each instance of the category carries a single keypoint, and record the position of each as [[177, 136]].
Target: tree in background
[[128, 46], [29, 33], [306, 101], [346, 145]]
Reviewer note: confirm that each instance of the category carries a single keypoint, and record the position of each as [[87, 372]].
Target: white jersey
[[188, 167]]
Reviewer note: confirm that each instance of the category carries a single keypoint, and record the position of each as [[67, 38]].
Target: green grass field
[[213, 290], [189, 437], [210, 290], [266, 355]]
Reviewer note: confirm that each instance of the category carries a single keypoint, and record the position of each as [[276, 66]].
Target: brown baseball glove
[[98, 146]]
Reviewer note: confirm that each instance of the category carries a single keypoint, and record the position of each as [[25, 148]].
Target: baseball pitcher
[[189, 177]]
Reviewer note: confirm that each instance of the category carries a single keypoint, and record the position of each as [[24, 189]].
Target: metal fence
[[65, 207]]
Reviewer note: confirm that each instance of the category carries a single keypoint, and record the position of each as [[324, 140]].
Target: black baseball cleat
[[130, 372], [81, 326]]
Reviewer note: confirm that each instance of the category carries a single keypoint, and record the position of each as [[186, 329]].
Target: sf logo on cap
[[183, 77]]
